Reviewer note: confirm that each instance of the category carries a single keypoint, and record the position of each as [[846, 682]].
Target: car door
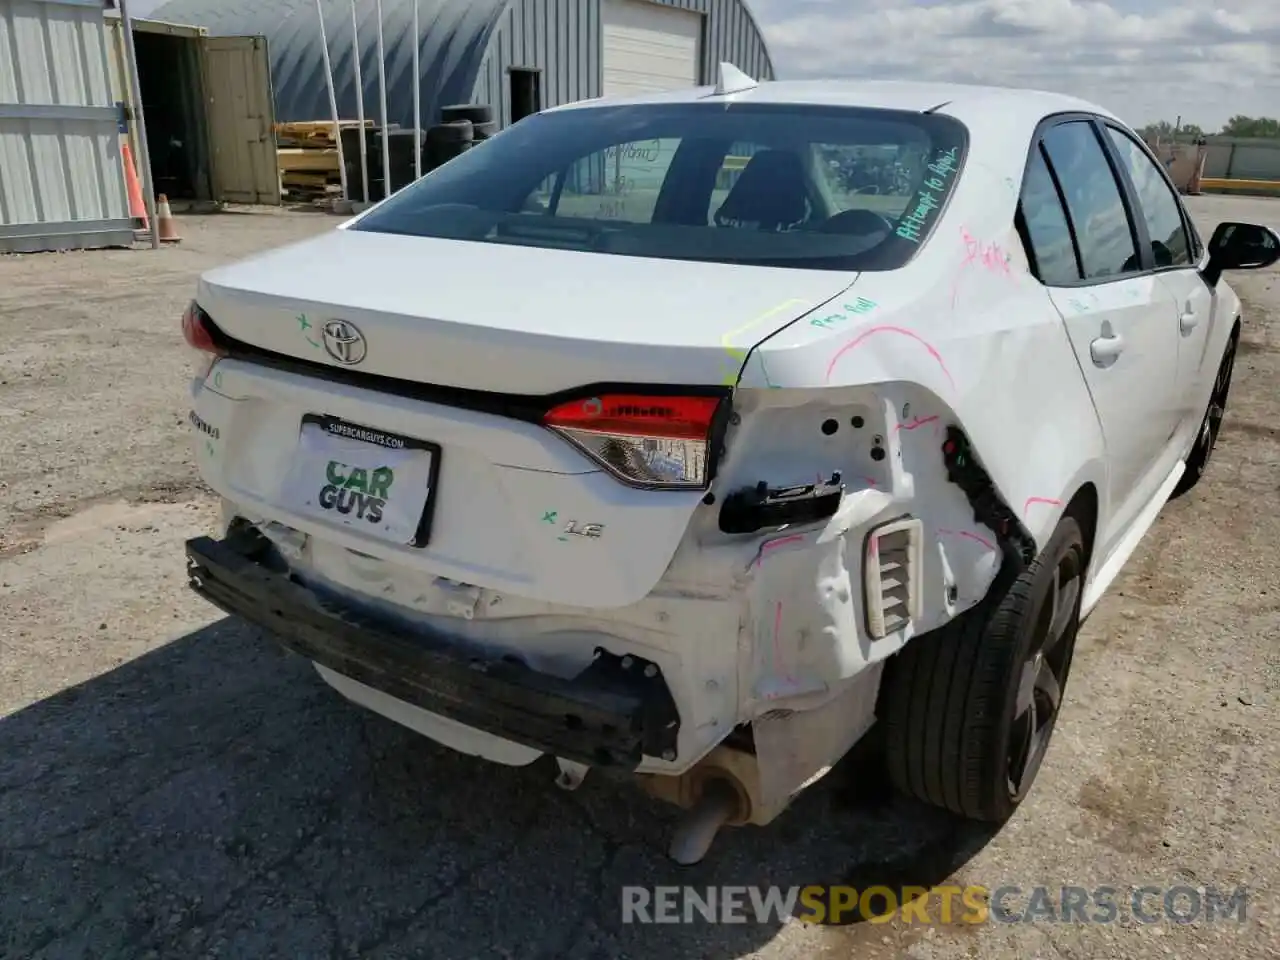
[[1178, 256], [1121, 321]]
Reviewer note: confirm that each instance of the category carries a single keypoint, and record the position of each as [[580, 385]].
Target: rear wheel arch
[[1083, 506]]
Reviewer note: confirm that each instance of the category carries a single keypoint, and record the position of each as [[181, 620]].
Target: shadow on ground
[[216, 798]]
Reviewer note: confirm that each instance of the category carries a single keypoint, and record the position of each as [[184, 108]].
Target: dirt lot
[[172, 786]]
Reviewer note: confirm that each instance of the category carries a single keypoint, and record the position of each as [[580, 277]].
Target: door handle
[[1106, 348], [1187, 320]]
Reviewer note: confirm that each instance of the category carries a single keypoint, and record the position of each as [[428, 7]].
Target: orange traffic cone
[[164, 219], [137, 207]]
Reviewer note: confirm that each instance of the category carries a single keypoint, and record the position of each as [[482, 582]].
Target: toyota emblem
[[344, 342]]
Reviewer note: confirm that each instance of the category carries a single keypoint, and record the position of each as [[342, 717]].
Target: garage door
[[648, 47]]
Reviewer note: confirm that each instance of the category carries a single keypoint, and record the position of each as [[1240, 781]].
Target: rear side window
[[1102, 227], [762, 184], [1047, 229], [1160, 207]]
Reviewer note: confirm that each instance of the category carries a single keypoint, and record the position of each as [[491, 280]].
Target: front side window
[[762, 184], [1098, 216], [1160, 207]]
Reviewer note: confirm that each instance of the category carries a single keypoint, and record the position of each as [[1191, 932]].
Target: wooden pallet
[[311, 181], [310, 186], [313, 133], [301, 160]]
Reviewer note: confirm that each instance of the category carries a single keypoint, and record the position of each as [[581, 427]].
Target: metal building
[[477, 51], [61, 179]]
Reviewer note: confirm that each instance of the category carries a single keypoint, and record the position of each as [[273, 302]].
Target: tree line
[[1237, 126]]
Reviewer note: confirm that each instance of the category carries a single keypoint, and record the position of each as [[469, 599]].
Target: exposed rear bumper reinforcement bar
[[616, 711]]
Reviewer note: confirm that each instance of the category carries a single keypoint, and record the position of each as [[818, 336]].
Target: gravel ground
[[171, 785]]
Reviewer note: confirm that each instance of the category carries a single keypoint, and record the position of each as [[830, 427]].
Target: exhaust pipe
[[721, 800]]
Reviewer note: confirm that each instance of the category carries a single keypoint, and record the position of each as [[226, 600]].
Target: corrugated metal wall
[[466, 46], [454, 35], [61, 180], [563, 38]]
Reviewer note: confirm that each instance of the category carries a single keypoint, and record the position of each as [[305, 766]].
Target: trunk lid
[[509, 319]]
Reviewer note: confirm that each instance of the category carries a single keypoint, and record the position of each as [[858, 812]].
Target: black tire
[[950, 700], [474, 112], [1211, 425], [483, 131], [437, 154], [457, 131]]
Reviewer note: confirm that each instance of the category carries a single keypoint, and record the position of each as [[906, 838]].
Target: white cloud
[[1144, 59]]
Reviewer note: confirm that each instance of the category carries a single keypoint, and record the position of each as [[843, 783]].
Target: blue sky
[[1144, 59]]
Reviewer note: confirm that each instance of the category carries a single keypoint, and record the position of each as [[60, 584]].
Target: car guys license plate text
[[363, 478]]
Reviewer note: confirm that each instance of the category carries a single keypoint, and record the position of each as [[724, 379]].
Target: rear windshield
[[776, 185]]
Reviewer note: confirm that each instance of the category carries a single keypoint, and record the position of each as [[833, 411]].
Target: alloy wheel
[[1218, 402], [1043, 674]]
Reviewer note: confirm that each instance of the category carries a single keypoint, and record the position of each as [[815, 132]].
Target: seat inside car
[[771, 192]]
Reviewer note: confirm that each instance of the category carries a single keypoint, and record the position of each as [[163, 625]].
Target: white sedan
[[692, 434]]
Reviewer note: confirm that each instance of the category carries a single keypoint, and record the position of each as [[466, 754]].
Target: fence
[[1239, 158]]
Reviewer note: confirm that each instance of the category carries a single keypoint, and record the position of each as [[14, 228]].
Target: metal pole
[[364, 141], [333, 102], [140, 124], [417, 100], [382, 97]]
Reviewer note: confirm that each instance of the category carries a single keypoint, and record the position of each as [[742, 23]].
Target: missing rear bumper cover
[[1017, 545], [613, 714]]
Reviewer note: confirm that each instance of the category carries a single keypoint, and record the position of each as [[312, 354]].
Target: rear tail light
[[195, 330], [643, 440]]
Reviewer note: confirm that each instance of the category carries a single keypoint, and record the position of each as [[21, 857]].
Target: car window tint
[[1093, 201], [620, 182], [731, 167], [881, 177], [754, 184], [1047, 228], [1160, 207]]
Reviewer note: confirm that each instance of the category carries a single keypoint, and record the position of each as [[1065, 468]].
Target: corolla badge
[[344, 342]]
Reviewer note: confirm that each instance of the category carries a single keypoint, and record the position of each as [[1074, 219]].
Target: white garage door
[[649, 47]]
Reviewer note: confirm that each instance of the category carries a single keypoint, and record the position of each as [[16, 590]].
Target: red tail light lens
[[647, 441], [195, 332]]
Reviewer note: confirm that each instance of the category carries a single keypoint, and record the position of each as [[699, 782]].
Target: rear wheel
[[1207, 439], [969, 709]]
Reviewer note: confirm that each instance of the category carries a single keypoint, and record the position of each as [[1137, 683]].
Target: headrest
[[770, 192]]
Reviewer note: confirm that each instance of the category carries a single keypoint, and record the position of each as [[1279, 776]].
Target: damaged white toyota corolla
[[690, 435]]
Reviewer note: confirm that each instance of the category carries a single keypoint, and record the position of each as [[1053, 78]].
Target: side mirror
[[1241, 246]]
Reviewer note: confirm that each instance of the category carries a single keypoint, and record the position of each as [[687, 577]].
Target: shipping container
[[61, 177], [209, 111]]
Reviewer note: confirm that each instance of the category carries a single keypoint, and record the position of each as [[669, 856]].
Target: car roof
[[960, 100]]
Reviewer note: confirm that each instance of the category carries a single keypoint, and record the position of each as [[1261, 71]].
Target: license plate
[[363, 478]]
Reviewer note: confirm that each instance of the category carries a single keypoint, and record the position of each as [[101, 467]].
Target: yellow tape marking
[[737, 354]]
